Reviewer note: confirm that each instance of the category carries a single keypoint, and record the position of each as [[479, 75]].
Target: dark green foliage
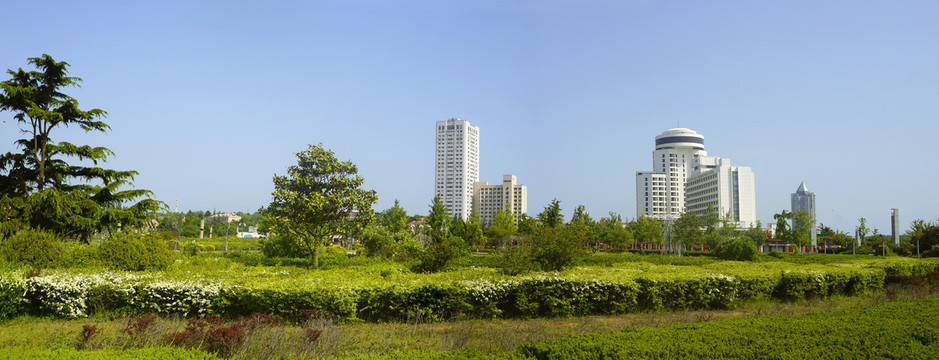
[[277, 245], [38, 188], [551, 216], [439, 254], [736, 248], [557, 248], [393, 219], [36, 248], [134, 252], [517, 260], [382, 243], [437, 221]]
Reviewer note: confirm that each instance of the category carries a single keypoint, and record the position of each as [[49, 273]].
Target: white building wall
[[457, 165], [675, 150], [728, 189]]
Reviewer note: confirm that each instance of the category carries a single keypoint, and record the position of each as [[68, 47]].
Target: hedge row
[[591, 291]]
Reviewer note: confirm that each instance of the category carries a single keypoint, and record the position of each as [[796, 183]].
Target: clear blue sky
[[208, 100]]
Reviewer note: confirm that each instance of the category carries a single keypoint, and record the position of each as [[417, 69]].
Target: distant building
[[685, 179], [251, 233], [224, 217], [804, 200], [457, 165], [509, 195], [660, 194], [729, 190]]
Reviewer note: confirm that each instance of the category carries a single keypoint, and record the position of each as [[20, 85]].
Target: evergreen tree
[[39, 188]]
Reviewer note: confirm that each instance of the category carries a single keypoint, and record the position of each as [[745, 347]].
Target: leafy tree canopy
[[319, 197], [551, 216]]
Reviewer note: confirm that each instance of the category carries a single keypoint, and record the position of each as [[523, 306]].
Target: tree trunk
[[316, 257]]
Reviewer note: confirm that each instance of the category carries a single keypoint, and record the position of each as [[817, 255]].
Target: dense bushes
[[135, 252], [384, 291], [438, 255], [35, 248], [735, 248], [557, 248]]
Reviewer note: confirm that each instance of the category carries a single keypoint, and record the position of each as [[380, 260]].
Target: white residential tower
[[457, 165]]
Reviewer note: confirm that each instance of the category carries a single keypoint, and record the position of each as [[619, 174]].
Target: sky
[[207, 100]]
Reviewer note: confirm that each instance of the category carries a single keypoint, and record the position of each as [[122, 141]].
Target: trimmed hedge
[[379, 294]]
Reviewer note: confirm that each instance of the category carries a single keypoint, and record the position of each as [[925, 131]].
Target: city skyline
[[208, 100]]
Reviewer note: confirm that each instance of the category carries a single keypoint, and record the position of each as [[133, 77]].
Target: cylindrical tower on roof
[[678, 138]]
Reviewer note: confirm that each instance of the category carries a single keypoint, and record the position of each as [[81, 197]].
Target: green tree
[[457, 226], [472, 230], [502, 226], [782, 226], [861, 230], [581, 217], [802, 224], [612, 231], [527, 225], [438, 221], [925, 234], [551, 216], [756, 235], [555, 248], [711, 219], [646, 230], [39, 188], [319, 197], [583, 220], [395, 219], [687, 229]]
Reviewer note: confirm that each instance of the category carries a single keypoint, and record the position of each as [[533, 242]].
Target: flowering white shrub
[[188, 298]]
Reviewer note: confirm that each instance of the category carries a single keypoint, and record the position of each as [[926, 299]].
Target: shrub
[[557, 248], [438, 256], [36, 248], [334, 250], [517, 260], [736, 248], [135, 253], [934, 252], [281, 246]]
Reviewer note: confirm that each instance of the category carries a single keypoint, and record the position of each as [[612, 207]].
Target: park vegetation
[[79, 243]]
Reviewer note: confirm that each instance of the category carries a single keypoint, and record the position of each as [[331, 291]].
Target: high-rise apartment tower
[[457, 165]]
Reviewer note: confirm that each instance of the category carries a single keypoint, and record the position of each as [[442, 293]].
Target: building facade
[[729, 190], [660, 193], [804, 200], [457, 165], [489, 199]]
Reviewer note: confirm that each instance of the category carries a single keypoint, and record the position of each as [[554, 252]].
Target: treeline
[[188, 224]]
